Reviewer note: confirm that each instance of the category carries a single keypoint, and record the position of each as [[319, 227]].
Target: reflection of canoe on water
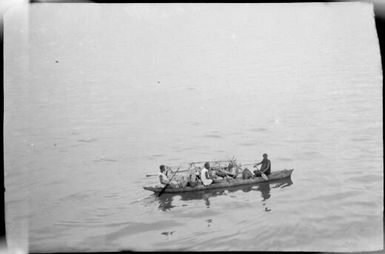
[[166, 201], [226, 183]]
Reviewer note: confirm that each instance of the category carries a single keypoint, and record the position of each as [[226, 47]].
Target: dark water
[[83, 132]]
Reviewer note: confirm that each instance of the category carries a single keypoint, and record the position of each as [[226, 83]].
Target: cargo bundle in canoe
[[225, 183]]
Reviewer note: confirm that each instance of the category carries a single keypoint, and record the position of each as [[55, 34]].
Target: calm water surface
[[153, 85]]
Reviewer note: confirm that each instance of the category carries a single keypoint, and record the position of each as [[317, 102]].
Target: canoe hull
[[225, 183]]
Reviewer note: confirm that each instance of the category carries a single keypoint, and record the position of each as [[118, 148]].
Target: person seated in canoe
[[228, 171], [265, 168], [193, 177], [213, 172], [205, 176], [232, 170], [163, 179], [168, 171]]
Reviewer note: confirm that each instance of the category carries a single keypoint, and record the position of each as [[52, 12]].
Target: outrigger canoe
[[226, 183]]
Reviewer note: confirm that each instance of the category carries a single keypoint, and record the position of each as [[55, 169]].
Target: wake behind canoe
[[226, 183]]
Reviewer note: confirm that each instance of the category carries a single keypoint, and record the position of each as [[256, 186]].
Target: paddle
[[164, 188]]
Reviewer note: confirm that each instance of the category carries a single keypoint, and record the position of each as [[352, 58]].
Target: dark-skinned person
[[265, 166], [163, 178], [205, 176]]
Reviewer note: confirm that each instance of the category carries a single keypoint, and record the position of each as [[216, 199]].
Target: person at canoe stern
[[205, 176], [265, 168], [163, 179]]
